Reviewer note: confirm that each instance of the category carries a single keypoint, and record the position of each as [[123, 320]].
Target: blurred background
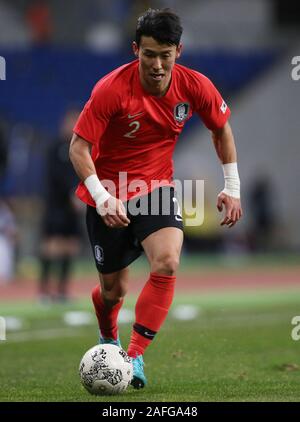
[[248, 276], [56, 51]]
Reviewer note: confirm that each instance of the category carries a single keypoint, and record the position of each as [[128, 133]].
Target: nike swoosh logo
[[149, 334], [132, 116], [178, 218]]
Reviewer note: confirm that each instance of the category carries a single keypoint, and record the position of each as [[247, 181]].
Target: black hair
[[161, 24]]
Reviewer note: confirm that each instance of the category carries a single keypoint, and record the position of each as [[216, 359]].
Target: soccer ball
[[105, 369]]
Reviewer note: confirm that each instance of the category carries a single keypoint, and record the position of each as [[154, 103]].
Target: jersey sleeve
[[97, 112], [209, 104]]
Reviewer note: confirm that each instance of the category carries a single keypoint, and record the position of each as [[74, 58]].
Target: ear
[[178, 51], [135, 49]]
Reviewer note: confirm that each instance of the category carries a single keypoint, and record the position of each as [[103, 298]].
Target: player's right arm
[[110, 208]]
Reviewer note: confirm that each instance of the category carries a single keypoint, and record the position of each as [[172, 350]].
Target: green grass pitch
[[238, 348]]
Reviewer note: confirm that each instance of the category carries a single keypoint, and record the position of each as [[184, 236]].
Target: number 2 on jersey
[[130, 134]]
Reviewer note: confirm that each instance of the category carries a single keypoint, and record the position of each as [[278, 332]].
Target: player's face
[[156, 64]]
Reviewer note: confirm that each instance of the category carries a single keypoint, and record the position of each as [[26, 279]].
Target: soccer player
[[129, 127]]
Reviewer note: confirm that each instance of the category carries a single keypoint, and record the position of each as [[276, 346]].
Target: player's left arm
[[230, 196]]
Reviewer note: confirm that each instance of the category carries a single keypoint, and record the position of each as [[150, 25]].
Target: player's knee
[[110, 299], [165, 264], [113, 294], [113, 286]]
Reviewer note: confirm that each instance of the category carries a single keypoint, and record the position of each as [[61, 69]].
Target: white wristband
[[232, 180], [96, 189]]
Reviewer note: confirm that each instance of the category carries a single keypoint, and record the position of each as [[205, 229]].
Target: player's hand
[[233, 209], [113, 213]]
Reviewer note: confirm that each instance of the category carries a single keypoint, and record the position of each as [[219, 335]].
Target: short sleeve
[[209, 104], [97, 112]]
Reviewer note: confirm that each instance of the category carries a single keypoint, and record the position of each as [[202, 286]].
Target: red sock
[[107, 316], [150, 311]]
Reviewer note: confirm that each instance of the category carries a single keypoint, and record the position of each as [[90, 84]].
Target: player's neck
[[158, 90]]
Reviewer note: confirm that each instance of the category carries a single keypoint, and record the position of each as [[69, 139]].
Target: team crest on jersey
[[181, 112], [99, 254]]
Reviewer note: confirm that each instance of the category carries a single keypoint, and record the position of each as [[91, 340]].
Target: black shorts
[[116, 248]]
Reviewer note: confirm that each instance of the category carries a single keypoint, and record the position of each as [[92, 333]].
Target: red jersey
[[134, 132]]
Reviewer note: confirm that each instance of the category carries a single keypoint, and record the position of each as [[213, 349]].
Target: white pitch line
[[204, 323], [41, 334]]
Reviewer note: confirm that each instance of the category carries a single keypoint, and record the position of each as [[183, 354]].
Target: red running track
[[237, 280]]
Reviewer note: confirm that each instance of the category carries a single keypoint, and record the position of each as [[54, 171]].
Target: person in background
[[261, 235], [60, 230]]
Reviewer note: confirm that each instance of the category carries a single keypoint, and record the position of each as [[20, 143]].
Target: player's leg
[[64, 263], [162, 249], [108, 299], [45, 266], [69, 249], [47, 262], [160, 232], [113, 251]]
